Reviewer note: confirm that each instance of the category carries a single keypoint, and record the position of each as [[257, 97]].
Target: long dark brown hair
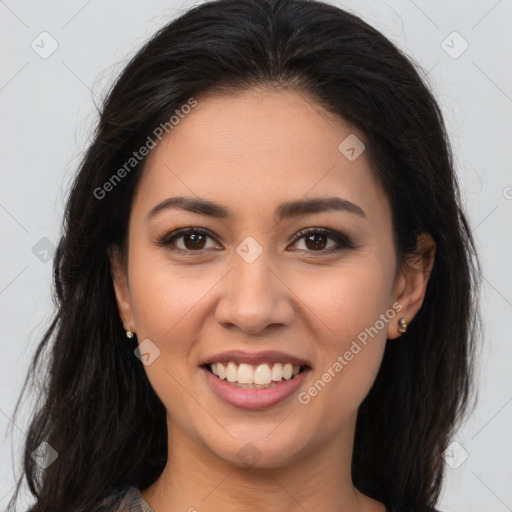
[[96, 407]]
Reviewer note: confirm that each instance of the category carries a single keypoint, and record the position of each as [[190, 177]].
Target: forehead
[[259, 148]]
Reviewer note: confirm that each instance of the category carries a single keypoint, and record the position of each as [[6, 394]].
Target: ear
[[119, 272], [411, 284]]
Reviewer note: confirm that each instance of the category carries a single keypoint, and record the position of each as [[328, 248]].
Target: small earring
[[402, 325], [129, 334]]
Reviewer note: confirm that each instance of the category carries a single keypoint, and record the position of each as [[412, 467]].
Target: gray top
[[127, 499], [134, 502]]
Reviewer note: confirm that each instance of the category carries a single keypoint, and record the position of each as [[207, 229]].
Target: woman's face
[[249, 282]]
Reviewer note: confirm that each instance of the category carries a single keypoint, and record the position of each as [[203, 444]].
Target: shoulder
[[124, 499]]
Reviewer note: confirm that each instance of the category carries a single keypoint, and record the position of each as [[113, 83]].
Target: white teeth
[[245, 374], [287, 371], [277, 372], [261, 375], [231, 372]]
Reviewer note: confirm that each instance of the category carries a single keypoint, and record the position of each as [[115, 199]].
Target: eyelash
[[343, 241]]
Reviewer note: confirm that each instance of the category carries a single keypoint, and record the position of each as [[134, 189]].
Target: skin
[[251, 151]]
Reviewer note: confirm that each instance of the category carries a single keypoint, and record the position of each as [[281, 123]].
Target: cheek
[[349, 301], [350, 341], [165, 294], [166, 305]]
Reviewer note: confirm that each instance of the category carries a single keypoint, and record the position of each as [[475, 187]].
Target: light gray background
[[47, 115]]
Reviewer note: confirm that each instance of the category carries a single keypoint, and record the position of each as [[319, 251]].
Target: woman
[[266, 282]]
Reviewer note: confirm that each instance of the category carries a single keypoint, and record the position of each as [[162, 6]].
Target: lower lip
[[253, 398]]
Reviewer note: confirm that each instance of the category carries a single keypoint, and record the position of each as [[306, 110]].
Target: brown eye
[[194, 240], [316, 240], [197, 240]]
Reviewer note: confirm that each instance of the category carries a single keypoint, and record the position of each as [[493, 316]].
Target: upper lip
[[254, 358]]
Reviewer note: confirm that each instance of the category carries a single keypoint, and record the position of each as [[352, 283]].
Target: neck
[[195, 479]]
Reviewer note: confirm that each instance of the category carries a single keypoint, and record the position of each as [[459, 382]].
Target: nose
[[254, 297]]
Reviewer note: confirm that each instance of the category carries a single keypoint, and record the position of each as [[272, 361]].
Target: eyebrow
[[283, 211]]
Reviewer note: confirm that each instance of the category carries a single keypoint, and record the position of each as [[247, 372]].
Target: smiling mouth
[[261, 376]]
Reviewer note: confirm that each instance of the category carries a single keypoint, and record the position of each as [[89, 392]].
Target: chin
[[249, 451]]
